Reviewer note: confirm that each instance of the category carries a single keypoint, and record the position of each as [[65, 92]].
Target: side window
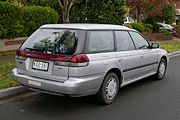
[[139, 41], [100, 41], [124, 41]]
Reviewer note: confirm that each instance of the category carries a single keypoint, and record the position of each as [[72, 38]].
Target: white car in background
[[167, 27], [128, 20]]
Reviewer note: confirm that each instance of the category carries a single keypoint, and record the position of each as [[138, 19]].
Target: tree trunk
[[138, 14], [66, 16], [25, 2], [65, 9]]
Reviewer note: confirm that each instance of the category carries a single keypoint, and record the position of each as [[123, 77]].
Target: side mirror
[[154, 45]]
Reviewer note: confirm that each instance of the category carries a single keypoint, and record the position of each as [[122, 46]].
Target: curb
[[17, 90], [174, 54], [12, 91]]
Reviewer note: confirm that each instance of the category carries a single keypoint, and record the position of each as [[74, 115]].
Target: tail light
[[79, 60], [21, 55]]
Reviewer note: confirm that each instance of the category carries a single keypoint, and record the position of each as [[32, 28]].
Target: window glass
[[139, 41], [100, 41], [52, 41], [124, 41]]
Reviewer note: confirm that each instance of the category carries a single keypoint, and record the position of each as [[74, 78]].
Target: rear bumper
[[74, 86]]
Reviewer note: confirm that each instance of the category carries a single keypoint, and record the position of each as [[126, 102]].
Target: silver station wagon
[[86, 59]]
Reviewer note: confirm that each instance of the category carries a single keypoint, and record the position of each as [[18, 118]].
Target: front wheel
[[161, 70], [109, 89]]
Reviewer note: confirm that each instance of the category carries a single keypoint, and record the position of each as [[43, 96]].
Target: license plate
[[39, 65], [34, 83]]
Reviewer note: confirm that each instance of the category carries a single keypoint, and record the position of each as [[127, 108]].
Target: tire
[[109, 89], [161, 71]]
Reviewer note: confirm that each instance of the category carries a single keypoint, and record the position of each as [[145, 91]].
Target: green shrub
[[177, 27], [137, 26], [169, 13], [45, 3], [128, 25], [16, 21], [148, 27], [155, 28], [3, 32], [152, 21], [164, 32], [35, 16], [10, 20]]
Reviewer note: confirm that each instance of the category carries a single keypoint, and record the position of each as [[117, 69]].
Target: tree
[[138, 4], [87, 11], [98, 11], [153, 8], [150, 8], [65, 7], [169, 13]]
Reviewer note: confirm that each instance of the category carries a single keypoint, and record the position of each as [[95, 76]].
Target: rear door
[[148, 56], [100, 51], [127, 57]]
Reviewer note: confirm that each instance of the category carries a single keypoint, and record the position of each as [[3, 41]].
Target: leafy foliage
[[10, 20], [16, 21], [164, 32], [157, 9], [148, 27], [151, 20], [98, 11], [35, 16], [169, 13], [45, 3], [137, 26]]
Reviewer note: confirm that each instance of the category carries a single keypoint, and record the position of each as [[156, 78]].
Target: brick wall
[[157, 36], [11, 44]]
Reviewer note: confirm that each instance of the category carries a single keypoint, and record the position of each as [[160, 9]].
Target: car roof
[[87, 26]]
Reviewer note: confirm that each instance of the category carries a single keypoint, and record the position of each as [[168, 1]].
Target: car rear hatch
[[48, 52]]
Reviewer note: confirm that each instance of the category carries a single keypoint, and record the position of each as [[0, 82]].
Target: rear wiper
[[30, 49]]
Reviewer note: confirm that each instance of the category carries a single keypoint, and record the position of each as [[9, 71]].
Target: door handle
[[142, 57], [120, 60]]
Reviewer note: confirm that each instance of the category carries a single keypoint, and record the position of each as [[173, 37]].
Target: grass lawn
[[170, 47], [6, 79], [8, 53]]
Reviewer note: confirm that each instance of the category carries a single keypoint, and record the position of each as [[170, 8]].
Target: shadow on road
[[45, 102]]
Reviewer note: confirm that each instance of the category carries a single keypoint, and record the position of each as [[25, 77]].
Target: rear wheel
[[161, 70], [109, 89]]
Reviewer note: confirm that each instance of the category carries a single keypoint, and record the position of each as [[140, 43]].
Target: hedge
[[9, 20], [137, 26], [35, 16], [16, 21], [164, 32], [148, 27]]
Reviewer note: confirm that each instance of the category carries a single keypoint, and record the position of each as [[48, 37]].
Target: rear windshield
[[52, 41]]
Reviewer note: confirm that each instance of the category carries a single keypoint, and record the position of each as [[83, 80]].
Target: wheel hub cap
[[111, 88], [162, 69]]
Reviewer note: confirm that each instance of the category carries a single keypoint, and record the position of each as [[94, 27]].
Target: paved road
[[143, 100]]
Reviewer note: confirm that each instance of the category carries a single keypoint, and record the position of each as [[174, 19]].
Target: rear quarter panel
[[99, 65]]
